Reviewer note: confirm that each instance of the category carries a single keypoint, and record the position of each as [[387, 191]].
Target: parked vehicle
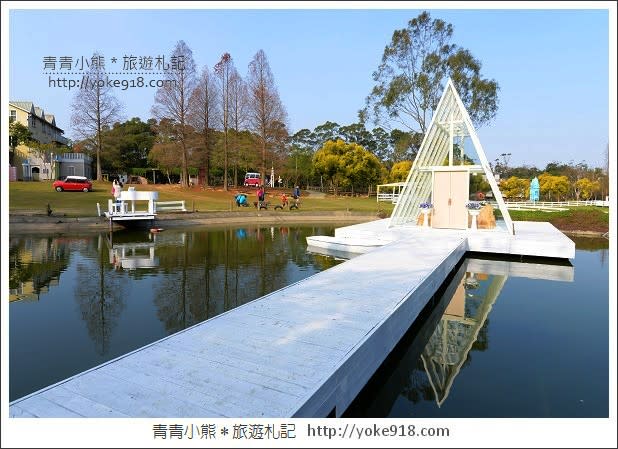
[[73, 183], [252, 179]]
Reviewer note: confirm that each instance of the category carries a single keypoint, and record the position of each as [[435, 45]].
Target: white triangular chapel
[[445, 186]]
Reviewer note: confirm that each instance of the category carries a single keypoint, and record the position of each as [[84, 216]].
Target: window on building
[[33, 121], [12, 115]]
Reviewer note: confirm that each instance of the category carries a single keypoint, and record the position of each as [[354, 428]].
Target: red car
[[74, 183], [252, 179]]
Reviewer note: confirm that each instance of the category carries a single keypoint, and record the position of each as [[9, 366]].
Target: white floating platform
[[540, 239], [129, 216], [346, 244]]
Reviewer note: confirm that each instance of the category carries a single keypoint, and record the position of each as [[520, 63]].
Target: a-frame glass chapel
[[438, 178]]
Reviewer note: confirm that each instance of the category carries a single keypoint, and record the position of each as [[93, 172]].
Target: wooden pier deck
[[538, 239], [303, 351]]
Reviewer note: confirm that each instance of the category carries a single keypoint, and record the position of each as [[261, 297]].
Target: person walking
[[260, 196], [296, 195]]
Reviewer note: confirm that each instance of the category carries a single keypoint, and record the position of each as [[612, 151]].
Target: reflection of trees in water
[[99, 294], [482, 339], [217, 270], [417, 387], [603, 256], [590, 244], [600, 245], [36, 261]]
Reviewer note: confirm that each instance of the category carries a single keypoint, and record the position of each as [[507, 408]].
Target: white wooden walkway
[[305, 350]]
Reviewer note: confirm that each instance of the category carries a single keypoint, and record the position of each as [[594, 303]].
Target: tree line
[[222, 124], [348, 157], [217, 124], [557, 181], [192, 113]]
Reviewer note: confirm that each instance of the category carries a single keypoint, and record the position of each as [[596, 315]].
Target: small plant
[[474, 205], [425, 205]]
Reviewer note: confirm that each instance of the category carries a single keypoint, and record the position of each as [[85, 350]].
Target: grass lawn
[[33, 198], [582, 218]]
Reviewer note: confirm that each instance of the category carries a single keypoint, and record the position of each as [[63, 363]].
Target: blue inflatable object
[[535, 190]]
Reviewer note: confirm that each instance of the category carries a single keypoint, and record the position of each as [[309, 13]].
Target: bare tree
[[224, 69], [266, 113], [94, 108], [204, 112], [238, 115], [172, 100]]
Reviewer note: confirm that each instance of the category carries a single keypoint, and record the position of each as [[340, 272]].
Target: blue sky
[[552, 65]]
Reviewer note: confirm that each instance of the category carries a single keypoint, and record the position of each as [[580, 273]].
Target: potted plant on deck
[[474, 209], [426, 209]]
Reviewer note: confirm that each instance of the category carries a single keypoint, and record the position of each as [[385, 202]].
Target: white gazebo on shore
[[125, 209]]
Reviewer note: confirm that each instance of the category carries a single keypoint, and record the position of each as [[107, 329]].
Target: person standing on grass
[[116, 189], [260, 195], [296, 195]]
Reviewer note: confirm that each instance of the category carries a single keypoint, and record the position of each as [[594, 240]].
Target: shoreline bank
[[20, 224]]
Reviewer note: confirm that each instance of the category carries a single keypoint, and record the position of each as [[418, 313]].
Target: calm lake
[[502, 338]]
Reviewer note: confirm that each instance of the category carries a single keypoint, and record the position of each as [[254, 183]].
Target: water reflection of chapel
[[436, 351], [474, 295]]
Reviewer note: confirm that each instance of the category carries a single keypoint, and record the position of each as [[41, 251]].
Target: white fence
[[554, 204], [392, 197], [522, 205], [170, 206]]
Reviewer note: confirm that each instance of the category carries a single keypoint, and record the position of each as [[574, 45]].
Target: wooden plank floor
[[304, 350], [540, 239]]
